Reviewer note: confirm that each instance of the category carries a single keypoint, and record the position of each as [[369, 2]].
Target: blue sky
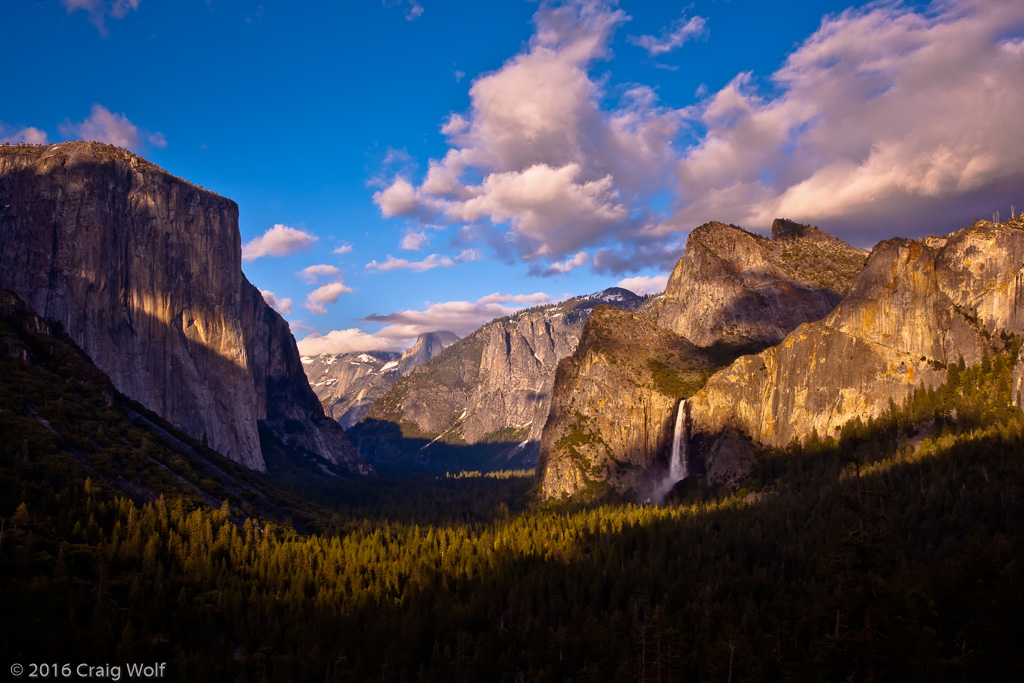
[[402, 166]]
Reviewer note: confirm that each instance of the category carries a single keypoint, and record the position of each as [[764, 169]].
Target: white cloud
[[644, 284], [325, 294], [882, 112], [681, 31], [29, 134], [432, 261], [102, 125], [536, 157], [342, 249], [415, 11], [99, 9], [546, 204], [402, 327], [311, 274], [461, 317], [346, 341], [575, 262], [531, 299], [282, 306], [279, 240], [399, 199], [414, 240]]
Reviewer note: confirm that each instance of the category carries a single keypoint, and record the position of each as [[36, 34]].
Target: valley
[[801, 461]]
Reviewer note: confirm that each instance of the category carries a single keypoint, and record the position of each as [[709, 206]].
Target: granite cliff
[[347, 384], [143, 271], [734, 285], [484, 399], [731, 293], [614, 404], [917, 306]]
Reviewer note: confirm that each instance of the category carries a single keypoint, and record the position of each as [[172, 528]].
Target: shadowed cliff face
[[916, 305], [143, 270], [732, 284]]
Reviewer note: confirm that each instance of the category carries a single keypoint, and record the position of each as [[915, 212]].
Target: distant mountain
[[483, 401], [733, 292], [143, 271], [348, 383]]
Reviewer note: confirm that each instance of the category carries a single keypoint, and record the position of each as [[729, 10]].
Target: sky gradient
[[410, 166]]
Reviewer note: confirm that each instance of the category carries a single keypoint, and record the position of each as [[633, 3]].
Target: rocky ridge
[[347, 384], [734, 285], [732, 292], [143, 271], [917, 306], [490, 389]]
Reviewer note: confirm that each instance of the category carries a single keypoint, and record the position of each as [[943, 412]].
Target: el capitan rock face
[[143, 270], [734, 285], [916, 305]]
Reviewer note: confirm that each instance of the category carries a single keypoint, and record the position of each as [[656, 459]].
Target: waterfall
[[679, 466]]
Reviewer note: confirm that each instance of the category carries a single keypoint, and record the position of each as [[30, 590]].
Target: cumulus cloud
[[311, 274], [882, 112], [671, 38], [644, 284], [279, 240], [414, 240], [570, 264], [535, 159], [432, 261], [342, 249], [282, 306], [889, 117], [29, 134], [325, 294], [102, 125]]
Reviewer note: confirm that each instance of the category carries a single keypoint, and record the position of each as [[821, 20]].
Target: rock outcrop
[[732, 292], [614, 406], [143, 270], [426, 347], [734, 285], [915, 307], [491, 389], [347, 384]]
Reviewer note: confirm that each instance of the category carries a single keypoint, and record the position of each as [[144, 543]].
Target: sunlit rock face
[[732, 292], [916, 304], [143, 270], [734, 285], [614, 406], [490, 391]]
